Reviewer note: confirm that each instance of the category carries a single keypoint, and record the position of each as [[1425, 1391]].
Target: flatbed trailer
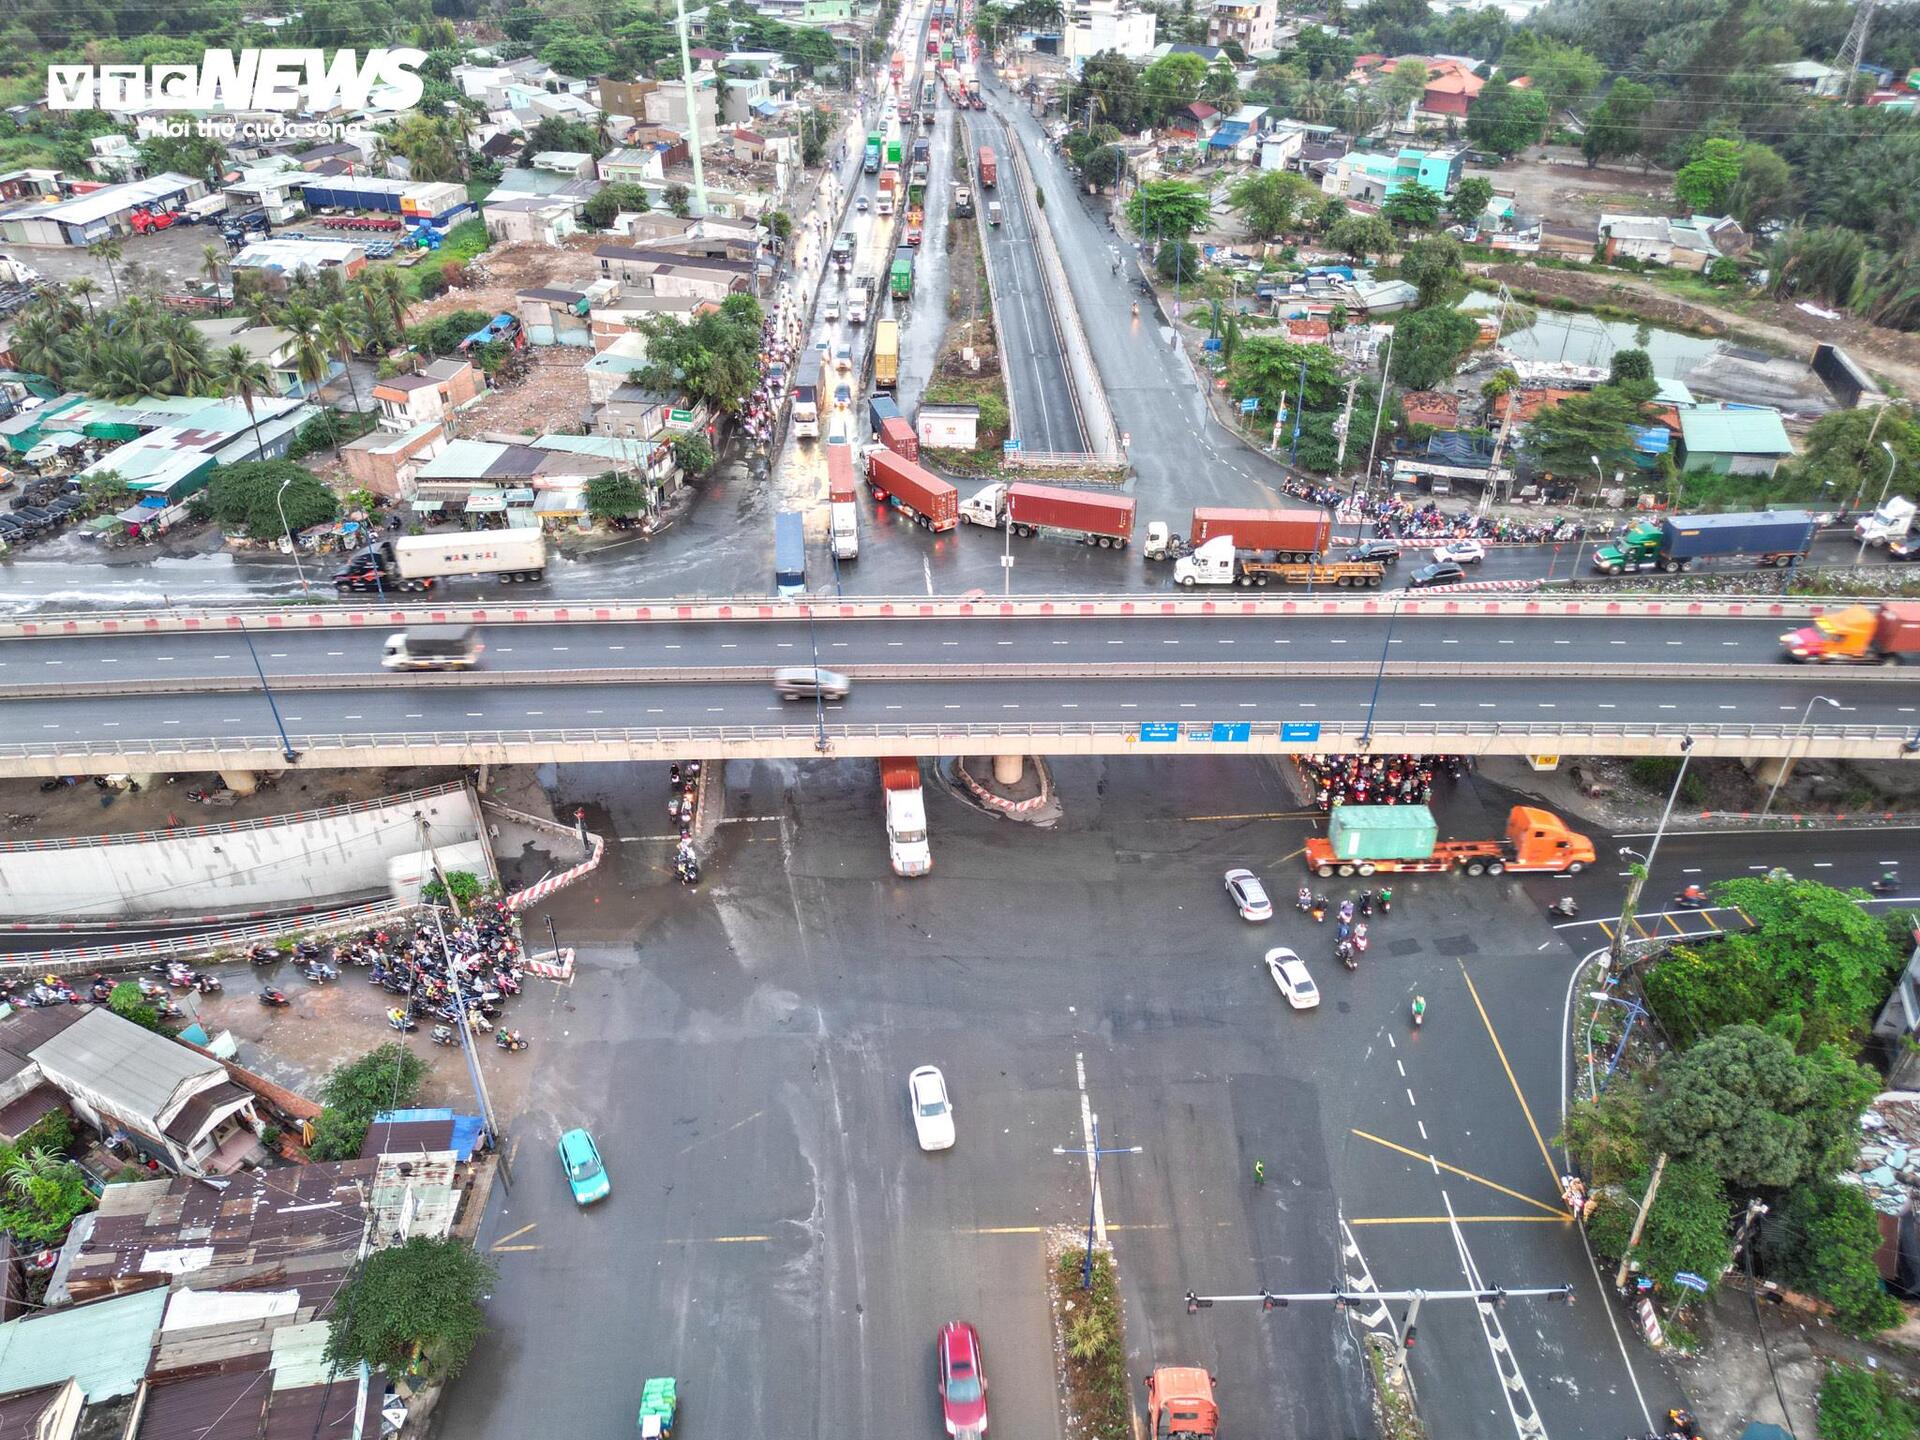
[[1341, 574]]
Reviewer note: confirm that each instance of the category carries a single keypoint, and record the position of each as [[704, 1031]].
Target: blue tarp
[[1456, 447], [1228, 135], [466, 1128]]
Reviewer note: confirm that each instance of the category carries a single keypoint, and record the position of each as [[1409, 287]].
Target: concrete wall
[[325, 855]]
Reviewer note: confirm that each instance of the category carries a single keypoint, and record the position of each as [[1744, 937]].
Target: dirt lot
[[552, 395], [1555, 184], [495, 275]]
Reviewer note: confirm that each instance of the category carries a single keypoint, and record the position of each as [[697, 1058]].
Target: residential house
[[1733, 440], [1280, 150], [1381, 297], [541, 479], [745, 99], [748, 146], [1659, 240], [114, 158], [615, 366], [662, 272], [574, 164], [279, 259], [554, 316], [273, 187], [1371, 177], [1527, 403], [1094, 26], [271, 345], [1433, 408], [387, 461], [716, 235], [1248, 23], [177, 1103], [441, 387], [613, 317], [532, 219], [632, 166], [1451, 87], [1567, 242]]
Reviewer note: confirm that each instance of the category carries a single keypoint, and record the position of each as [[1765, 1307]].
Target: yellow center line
[[515, 1235], [1605, 928], [1465, 1220], [1259, 815], [1553, 1210], [1525, 1109], [720, 1240], [510, 1249], [1043, 1229]]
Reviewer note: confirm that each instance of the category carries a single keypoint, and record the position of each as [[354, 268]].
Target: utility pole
[[1640, 1220], [1617, 947], [1755, 1209], [693, 118], [1346, 420]]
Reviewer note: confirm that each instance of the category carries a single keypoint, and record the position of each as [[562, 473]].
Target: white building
[[1097, 25]]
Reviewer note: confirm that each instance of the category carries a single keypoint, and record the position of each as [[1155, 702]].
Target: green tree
[[715, 357], [1472, 197], [692, 454], [1110, 87], [442, 334], [1269, 202], [1505, 120], [1563, 438], [1686, 1230], [616, 198], [387, 1078], [1323, 54], [238, 374], [1360, 235], [434, 146], [1172, 83], [1703, 184], [1824, 1239], [615, 496], [1838, 449], [1434, 266], [1169, 209], [250, 496], [1104, 166], [1630, 364], [556, 132], [1562, 74], [1616, 129], [1821, 264], [1406, 84], [1764, 187], [1428, 345], [1743, 1104], [1861, 1404], [1413, 206], [424, 1295], [1178, 261], [1608, 1133], [128, 1003], [1266, 369], [45, 1192], [342, 330], [586, 56], [679, 200], [200, 156]]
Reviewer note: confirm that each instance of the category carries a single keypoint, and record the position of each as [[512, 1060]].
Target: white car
[[1462, 552], [1249, 895], [932, 1110], [1290, 977]]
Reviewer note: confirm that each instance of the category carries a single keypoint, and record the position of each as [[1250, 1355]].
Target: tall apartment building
[[1248, 23]]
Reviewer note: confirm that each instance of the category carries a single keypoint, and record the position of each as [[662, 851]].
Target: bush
[[1823, 1240], [384, 1079], [465, 887], [1656, 772], [442, 334], [421, 1299], [127, 1002], [1856, 1404]]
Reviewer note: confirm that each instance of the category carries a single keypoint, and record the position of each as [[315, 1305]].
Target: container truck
[[1180, 1404], [843, 510], [925, 499], [898, 66], [1889, 523], [889, 184], [860, 298], [1404, 839], [893, 152], [900, 283], [880, 409], [1859, 635], [897, 435], [1218, 562], [986, 164], [870, 162], [1029, 510], [1673, 544], [789, 554], [1299, 534], [843, 250], [806, 396], [907, 846], [432, 647], [974, 98], [418, 562], [886, 353]]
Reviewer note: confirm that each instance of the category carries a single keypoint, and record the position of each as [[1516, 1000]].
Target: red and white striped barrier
[[552, 964], [1468, 587], [519, 900]]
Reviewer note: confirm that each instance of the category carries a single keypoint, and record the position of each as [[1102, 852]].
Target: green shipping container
[[893, 152], [1382, 832]]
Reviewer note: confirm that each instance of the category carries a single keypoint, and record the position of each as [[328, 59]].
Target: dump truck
[[907, 846], [1180, 1404], [926, 499], [1404, 839], [1890, 522], [897, 435], [987, 167], [432, 647], [1220, 562], [900, 279], [843, 509], [886, 354], [419, 562], [1858, 635], [1029, 510], [1778, 538]]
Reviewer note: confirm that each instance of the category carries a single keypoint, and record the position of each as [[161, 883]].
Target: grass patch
[[985, 390], [1392, 1406], [1093, 1342], [461, 243], [1857, 1404]]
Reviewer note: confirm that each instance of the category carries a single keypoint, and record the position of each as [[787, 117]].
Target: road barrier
[[201, 945], [701, 610]]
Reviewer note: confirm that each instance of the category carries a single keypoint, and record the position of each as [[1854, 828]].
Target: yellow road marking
[[1463, 1174], [1710, 921], [718, 1133], [1525, 1109], [515, 1235], [1605, 928], [1465, 1220], [1676, 925], [1259, 815], [510, 1249], [720, 1240]]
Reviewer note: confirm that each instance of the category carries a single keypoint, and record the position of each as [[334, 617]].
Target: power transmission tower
[[1853, 50]]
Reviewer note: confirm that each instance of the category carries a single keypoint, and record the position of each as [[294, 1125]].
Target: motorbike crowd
[[1378, 779], [1397, 517], [682, 805], [1350, 917]]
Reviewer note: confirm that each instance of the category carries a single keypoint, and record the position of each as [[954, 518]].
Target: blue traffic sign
[[1249, 405], [1690, 1281], [1231, 731], [1009, 446], [1299, 732], [1159, 731]]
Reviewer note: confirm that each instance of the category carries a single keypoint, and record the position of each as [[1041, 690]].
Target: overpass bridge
[[173, 691]]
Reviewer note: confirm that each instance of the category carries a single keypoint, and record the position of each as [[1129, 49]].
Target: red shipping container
[[1288, 532], [839, 471], [897, 435], [928, 498], [1051, 507]]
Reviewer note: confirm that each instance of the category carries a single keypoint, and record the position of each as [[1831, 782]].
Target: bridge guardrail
[[363, 616]]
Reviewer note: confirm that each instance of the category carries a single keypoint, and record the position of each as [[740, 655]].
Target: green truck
[[901, 282], [893, 151]]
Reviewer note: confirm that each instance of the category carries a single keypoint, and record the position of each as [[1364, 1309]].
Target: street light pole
[[1886, 485], [1786, 761], [1642, 865], [288, 753], [292, 548], [1366, 733]]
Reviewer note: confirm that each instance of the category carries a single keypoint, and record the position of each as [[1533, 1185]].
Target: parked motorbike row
[[1379, 779], [682, 806], [469, 978]]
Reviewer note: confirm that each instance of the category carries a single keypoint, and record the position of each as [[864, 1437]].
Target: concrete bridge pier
[[1770, 769], [1009, 769], [241, 782]]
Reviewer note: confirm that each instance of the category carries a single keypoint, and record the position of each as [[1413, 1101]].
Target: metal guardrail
[[187, 832], [201, 943]]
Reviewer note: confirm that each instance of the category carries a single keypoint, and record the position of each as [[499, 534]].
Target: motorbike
[[1319, 909], [1343, 952], [59, 782], [1303, 902], [101, 992], [1346, 912], [274, 998], [320, 974], [1565, 907], [1360, 939], [1418, 1010], [1366, 902], [1691, 898], [443, 1035], [263, 955], [508, 1040], [1885, 885], [1386, 901], [1344, 931], [207, 983], [398, 1019]]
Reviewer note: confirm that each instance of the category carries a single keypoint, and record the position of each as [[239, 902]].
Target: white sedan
[[1290, 977], [1462, 552], [932, 1110], [1249, 895]]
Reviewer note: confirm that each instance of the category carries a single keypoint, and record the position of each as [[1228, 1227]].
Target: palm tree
[[240, 375], [394, 287], [373, 307], [123, 369], [340, 328], [42, 344], [109, 252], [211, 263], [184, 353], [310, 360], [84, 288], [256, 302], [26, 1167]]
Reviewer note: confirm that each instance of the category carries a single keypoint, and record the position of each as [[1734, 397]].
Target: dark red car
[[963, 1379]]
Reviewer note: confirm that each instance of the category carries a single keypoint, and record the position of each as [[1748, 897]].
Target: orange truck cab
[[1859, 634], [1402, 839], [1180, 1403]]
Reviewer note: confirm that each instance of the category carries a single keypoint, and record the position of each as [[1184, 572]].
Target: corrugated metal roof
[[299, 1356], [323, 1410], [24, 1031], [137, 1072], [1735, 432], [104, 1346], [221, 1406]]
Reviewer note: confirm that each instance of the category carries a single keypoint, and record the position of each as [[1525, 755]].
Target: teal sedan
[[586, 1175]]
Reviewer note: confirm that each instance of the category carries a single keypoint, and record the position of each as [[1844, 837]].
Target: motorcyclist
[[1693, 895], [1419, 1009], [1565, 906], [1304, 900], [1319, 909], [1386, 899]]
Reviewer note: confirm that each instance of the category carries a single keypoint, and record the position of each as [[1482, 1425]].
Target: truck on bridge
[[870, 161], [1029, 510], [1858, 635], [1219, 562], [924, 498], [900, 280], [806, 396], [1404, 839], [860, 298], [1295, 534], [419, 562], [886, 354], [962, 202], [1889, 523], [907, 846], [1777, 538]]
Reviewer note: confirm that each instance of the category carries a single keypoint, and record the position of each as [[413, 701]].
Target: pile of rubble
[[1888, 1165]]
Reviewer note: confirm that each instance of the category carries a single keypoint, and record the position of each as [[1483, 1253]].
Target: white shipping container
[[479, 552]]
